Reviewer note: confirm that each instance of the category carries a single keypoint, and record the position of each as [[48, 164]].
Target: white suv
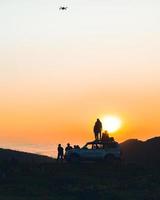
[[95, 151]]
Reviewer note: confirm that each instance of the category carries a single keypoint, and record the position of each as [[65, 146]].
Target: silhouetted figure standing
[[60, 152], [97, 129], [68, 147]]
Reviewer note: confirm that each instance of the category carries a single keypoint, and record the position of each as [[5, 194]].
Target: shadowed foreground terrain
[[84, 181], [40, 177]]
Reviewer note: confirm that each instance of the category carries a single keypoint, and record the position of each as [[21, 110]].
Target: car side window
[[97, 146], [100, 146], [94, 146], [89, 146]]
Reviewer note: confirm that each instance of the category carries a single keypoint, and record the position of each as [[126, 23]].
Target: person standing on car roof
[[97, 129]]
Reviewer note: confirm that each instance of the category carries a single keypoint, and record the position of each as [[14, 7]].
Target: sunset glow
[[111, 123], [59, 71]]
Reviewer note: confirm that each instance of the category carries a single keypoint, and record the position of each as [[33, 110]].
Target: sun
[[111, 123]]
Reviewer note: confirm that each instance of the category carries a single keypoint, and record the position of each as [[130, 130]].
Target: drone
[[63, 8]]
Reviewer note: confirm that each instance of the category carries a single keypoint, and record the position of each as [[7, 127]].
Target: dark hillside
[[133, 151], [26, 176], [147, 152], [18, 156]]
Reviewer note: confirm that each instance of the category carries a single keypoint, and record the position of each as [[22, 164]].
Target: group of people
[[60, 150], [97, 129]]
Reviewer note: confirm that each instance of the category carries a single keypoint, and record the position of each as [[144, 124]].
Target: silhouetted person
[[68, 147], [77, 147], [105, 136], [60, 152], [97, 129]]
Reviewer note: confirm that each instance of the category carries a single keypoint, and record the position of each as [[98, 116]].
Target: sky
[[60, 70]]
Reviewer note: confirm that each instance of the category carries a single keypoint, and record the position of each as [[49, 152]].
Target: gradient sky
[[60, 70]]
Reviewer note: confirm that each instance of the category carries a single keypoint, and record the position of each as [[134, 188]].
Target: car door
[[98, 152], [87, 153], [92, 152]]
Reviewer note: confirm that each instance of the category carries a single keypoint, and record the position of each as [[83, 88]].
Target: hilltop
[[19, 156], [133, 150], [26, 176], [138, 151]]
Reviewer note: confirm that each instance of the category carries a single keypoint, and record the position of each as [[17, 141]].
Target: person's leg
[[58, 157], [100, 135], [61, 157], [95, 135]]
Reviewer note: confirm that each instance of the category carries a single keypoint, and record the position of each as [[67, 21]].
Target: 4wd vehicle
[[95, 151]]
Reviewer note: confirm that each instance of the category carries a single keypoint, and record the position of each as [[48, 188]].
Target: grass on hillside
[[81, 181]]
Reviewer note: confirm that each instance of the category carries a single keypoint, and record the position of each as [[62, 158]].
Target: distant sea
[[41, 149]]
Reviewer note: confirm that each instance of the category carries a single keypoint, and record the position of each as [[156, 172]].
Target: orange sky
[[59, 71]]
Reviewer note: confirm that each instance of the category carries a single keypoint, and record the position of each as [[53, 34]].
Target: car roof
[[101, 142]]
